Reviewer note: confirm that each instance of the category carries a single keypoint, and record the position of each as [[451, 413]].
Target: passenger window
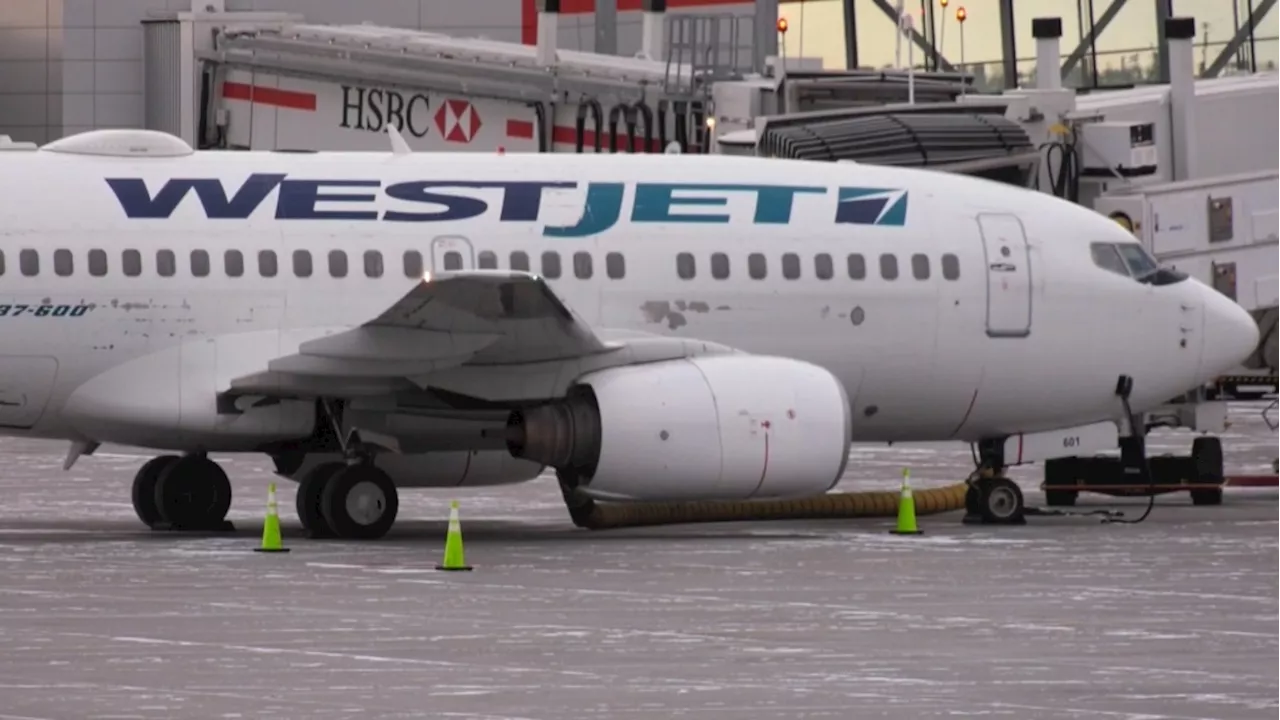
[[233, 263], [950, 267], [337, 264], [686, 267], [97, 263], [719, 266], [551, 265], [1107, 257], [791, 266], [453, 260], [267, 263], [29, 262], [200, 263], [857, 267], [488, 261], [520, 261], [823, 268], [62, 263], [889, 266], [131, 261], [615, 265], [920, 266], [412, 264], [166, 263], [582, 265], [373, 264], [302, 263], [757, 266]]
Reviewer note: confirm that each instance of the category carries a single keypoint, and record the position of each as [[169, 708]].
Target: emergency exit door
[[1008, 272], [451, 252]]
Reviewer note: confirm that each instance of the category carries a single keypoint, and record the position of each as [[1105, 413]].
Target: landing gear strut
[[992, 498], [350, 500], [183, 493]]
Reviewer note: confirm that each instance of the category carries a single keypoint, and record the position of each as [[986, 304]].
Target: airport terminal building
[[73, 65]]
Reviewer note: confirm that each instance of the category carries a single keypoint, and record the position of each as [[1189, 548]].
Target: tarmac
[[1066, 618]]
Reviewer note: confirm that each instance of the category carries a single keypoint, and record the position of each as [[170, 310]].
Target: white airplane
[[653, 327]]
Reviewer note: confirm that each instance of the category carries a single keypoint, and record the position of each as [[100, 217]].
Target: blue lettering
[[773, 202], [298, 200], [603, 208], [521, 201], [137, 202]]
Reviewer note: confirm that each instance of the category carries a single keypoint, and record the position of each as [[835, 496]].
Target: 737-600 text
[[44, 310]]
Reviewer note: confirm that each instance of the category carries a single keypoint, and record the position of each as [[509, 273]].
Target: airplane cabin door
[[1008, 261], [451, 252]]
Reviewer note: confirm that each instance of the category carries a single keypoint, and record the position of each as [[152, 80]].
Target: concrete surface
[[1065, 618]]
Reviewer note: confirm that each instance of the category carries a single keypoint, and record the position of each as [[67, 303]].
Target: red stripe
[[1253, 481], [529, 11], [522, 129], [564, 135], [269, 96]]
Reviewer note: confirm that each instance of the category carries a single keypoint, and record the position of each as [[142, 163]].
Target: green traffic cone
[[906, 509], [453, 559], [271, 526]]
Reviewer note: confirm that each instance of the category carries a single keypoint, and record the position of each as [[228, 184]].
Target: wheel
[[1206, 455], [1000, 501], [193, 492], [307, 501], [359, 502], [144, 488], [1060, 498], [1206, 497]]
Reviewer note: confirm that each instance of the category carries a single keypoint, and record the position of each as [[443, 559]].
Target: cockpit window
[[1107, 257], [1135, 256]]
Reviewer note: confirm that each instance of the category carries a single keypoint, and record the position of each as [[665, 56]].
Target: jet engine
[[713, 427]]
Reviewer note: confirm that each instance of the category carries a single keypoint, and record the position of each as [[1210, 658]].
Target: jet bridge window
[[791, 266], [950, 267], [719, 266], [166, 263], [97, 262], [131, 262], [268, 266], [337, 264], [551, 264], [200, 263], [29, 262], [823, 268], [63, 263], [233, 263], [757, 266], [373, 264], [302, 263], [686, 266], [857, 267], [520, 261], [487, 260], [412, 264], [615, 266], [920, 266], [889, 266], [1107, 257], [582, 265]]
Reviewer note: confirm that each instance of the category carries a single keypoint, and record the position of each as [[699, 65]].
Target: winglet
[[398, 145]]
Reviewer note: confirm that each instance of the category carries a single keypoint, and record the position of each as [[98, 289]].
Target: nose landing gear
[[992, 498]]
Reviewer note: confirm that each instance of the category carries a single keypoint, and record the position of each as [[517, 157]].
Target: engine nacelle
[[476, 468], [712, 427]]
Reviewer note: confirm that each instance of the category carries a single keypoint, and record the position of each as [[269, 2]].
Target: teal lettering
[[603, 208]]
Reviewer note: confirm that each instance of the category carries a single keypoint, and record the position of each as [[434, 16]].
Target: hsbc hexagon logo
[[457, 121]]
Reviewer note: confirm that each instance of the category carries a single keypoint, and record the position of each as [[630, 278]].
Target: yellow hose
[[880, 503]]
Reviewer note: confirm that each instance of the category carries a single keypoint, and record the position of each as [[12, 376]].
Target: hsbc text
[[372, 109]]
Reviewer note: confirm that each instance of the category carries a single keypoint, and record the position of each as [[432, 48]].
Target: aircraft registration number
[[44, 310]]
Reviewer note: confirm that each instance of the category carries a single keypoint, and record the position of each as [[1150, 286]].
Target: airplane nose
[[1230, 334]]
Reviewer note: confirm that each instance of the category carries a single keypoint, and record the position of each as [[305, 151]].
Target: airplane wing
[[477, 317]]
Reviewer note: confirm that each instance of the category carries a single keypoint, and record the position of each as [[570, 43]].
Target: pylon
[[453, 559], [271, 526], [906, 508]]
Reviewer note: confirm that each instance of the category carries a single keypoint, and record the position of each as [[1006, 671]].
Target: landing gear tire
[[1206, 453], [307, 501], [359, 502], [994, 501], [144, 488], [193, 493]]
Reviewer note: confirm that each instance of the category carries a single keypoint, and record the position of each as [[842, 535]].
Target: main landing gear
[[349, 500], [187, 492]]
